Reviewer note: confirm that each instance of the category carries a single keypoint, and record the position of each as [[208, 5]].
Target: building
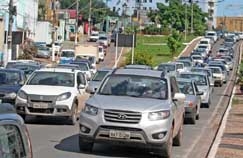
[[133, 7], [23, 24], [231, 24]]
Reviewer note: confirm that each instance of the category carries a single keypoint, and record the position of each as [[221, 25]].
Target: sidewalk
[[231, 144]]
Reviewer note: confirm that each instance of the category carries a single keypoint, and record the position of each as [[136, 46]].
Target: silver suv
[[141, 108]]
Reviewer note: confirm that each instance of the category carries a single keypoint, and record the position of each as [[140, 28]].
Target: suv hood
[[45, 90], [128, 103]]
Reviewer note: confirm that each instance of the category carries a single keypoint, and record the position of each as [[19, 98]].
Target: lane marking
[[210, 120]]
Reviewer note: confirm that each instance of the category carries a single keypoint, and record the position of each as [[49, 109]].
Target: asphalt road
[[54, 138]]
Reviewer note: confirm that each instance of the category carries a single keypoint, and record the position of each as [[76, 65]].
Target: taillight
[[30, 154]]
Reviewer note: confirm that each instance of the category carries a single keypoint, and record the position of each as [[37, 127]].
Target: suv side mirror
[[200, 93], [179, 97]]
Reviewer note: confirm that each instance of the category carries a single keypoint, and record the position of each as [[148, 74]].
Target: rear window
[[11, 142]]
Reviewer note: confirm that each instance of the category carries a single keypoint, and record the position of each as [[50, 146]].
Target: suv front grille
[[42, 98], [122, 116]]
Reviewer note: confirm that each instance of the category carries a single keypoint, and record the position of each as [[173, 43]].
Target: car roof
[[105, 69], [68, 50], [140, 72], [67, 70], [184, 79], [138, 67], [193, 73]]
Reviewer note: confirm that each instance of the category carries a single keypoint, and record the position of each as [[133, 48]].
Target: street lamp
[[124, 6]]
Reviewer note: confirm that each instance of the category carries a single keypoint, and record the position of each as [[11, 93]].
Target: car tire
[[166, 151], [207, 105], [85, 146], [73, 117], [177, 141]]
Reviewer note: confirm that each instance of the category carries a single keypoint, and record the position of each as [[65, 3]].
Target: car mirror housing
[[179, 97]]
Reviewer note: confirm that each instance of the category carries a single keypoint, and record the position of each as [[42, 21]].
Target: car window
[[135, 86], [52, 79], [11, 143], [99, 75], [179, 66], [81, 78], [200, 80], [186, 87], [9, 78], [166, 67], [67, 54]]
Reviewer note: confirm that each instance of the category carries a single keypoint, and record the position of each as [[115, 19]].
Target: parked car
[[52, 92], [218, 76], [43, 52], [14, 135], [11, 81], [130, 101], [202, 82], [193, 99], [95, 81]]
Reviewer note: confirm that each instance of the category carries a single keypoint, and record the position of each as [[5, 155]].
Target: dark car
[[14, 136], [11, 81], [28, 68]]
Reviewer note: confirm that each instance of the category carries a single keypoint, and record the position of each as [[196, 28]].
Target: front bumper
[[142, 133], [189, 112]]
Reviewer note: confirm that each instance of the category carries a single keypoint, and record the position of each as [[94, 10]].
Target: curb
[[188, 45]]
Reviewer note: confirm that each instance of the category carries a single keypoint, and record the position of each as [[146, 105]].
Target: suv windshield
[[199, 79], [52, 79], [67, 54], [166, 67], [82, 66], [186, 87], [201, 70], [99, 75], [135, 86], [9, 78], [215, 70]]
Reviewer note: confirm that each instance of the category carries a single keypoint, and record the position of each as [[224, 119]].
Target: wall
[[230, 23]]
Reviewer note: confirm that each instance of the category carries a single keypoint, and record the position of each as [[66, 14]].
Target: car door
[[179, 106]]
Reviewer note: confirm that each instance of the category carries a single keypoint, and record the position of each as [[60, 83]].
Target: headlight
[[10, 95], [159, 115], [22, 95], [91, 110], [64, 96]]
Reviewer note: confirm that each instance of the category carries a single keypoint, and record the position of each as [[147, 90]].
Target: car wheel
[[73, 118], [208, 103], [178, 138], [85, 146], [166, 151]]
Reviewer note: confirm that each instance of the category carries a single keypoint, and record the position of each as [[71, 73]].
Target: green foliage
[[174, 42], [140, 58], [173, 16], [152, 30]]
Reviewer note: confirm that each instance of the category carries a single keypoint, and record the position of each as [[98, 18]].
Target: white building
[[131, 6]]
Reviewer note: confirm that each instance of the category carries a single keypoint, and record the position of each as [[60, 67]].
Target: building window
[[150, 8], [114, 9], [151, 1], [138, 1], [144, 8], [144, 1]]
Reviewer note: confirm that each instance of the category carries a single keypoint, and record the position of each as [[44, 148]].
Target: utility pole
[[191, 16], [12, 11], [53, 29], [76, 24], [90, 9], [185, 21]]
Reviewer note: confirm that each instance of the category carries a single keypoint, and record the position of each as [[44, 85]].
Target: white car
[[101, 53], [207, 47], [218, 76], [94, 36], [104, 40], [206, 41], [52, 92], [211, 35], [197, 59]]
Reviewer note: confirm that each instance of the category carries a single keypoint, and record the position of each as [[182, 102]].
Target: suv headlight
[[158, 115], [10, 95], [91, 110], [64, 96], [22, 95]]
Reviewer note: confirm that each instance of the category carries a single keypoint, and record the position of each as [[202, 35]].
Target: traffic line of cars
[[135, 105]]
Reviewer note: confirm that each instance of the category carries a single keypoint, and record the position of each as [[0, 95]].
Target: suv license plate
[[120, 134], [40, 105]]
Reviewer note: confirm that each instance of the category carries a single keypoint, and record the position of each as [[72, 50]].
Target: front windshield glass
[[67, 54], [166, 67], [52, 79], [201, 70], [186, 87], [99, 75], [135, 86], [102, 38], [196, 58], [229, 40], [186, 64], [199, 79], [82, 66], [215, 70], [9, 78]]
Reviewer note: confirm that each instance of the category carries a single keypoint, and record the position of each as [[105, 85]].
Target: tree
[[174, 42]]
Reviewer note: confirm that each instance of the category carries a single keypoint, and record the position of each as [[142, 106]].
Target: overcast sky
[[223, 8]]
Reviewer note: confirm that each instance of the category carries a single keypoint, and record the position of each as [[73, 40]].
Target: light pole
[[191, 16], [185, 20], [90, 8]]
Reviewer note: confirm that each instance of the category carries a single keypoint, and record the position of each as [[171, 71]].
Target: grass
[[160, 53]]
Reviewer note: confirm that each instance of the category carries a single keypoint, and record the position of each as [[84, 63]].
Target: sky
[[225, 8]]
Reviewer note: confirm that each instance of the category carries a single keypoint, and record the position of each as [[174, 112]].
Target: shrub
[[140, 58]]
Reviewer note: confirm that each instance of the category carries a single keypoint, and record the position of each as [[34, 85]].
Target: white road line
[[210, 120], [220, 133], [116, 62]]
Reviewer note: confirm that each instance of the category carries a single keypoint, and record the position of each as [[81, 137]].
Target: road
[[54, 138]]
